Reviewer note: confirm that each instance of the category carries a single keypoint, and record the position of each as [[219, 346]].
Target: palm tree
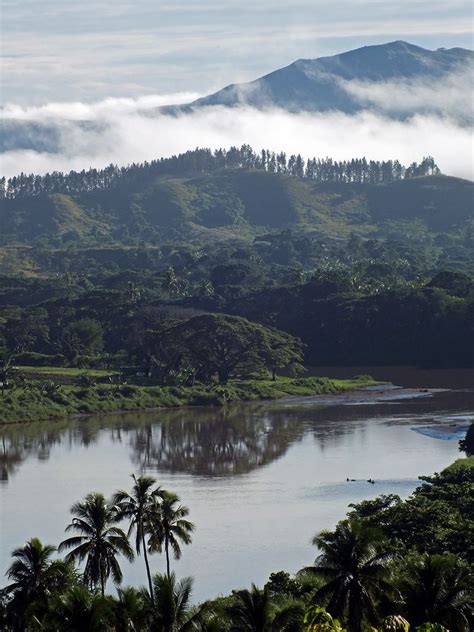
[[35, 576], [137, 507], [130, 612], [31, 568], [438, 588], [171, 611], [80, 610], [254, 612], [169, 527], [356, 567], [100, 541]]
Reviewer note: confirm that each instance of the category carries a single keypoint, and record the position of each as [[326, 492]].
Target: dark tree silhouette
[[100, 542], [355, 565], [199, 161], [139, 507]]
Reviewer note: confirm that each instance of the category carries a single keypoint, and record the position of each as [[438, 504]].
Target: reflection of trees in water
[[21, 442], [17, 446], [214, 441], [11, 457], [220, 441], [37, 440], [217, 443]]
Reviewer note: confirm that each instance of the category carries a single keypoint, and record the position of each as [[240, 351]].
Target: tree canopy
[[226, 346]]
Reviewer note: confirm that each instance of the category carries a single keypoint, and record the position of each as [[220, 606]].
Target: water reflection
[[218, 445], [224, 441], [211, 442]]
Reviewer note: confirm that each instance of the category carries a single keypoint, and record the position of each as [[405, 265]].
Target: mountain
[[342, 83], [324, 84]]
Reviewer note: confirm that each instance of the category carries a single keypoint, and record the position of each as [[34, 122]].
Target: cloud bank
[[122, 131], [453, 93]]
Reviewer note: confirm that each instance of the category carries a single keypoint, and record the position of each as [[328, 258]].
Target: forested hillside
[[233, 194], [365, 262]]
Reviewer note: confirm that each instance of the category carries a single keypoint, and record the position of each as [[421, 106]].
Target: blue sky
[[85, 50]]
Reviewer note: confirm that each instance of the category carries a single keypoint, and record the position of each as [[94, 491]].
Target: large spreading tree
[[224, 346]]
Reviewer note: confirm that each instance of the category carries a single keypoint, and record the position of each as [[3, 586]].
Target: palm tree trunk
[[167, 557], [145, 555], [355, 611]]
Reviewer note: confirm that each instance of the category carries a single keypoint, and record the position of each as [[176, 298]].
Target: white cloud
[[98, 110], [127, 130], [451, 93]]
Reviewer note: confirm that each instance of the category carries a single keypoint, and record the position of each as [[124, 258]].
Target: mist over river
[[260, 479]]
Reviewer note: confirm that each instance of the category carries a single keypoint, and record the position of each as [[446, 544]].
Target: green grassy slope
[[237, 204]]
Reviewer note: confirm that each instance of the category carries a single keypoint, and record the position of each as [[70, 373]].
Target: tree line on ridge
[[199, 161]]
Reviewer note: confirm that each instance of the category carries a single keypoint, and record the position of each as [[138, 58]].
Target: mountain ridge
[[238, 204], [335, 83], [315, 84]]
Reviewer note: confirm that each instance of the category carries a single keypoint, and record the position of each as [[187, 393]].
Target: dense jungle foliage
[[364, 262], [364, 313]]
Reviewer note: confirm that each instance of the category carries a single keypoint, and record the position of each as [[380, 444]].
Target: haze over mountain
[[334, 83], [396, 97]]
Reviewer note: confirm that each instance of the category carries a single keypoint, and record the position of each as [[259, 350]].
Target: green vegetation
[[235, 206], [98, 541], [215, 344], [40, 400], [429, 325], [133, 288], [365, 262], [438, 516], [366, 313], [74, 372], [461, 465], [467, 444], [235, 195], [374, 572]]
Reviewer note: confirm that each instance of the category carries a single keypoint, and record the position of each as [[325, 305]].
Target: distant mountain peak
[[319, 84]]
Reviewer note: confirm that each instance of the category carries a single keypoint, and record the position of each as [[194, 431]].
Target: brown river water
[[260, 479]]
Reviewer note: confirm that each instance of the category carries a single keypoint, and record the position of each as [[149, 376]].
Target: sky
[[87, 50]]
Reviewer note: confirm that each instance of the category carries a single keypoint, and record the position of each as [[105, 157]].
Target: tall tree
[[439, 589], [6, 369], [356, 566], [100, 542], [139, 506], [35, 577], [169, 527], [227, 345]]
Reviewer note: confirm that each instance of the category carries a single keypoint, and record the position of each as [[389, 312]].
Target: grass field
[[67, 371], [35, 401]]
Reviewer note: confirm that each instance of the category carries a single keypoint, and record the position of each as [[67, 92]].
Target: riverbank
[[40, 401]]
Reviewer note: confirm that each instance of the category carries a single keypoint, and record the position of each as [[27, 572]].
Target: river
[[260, 479]]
